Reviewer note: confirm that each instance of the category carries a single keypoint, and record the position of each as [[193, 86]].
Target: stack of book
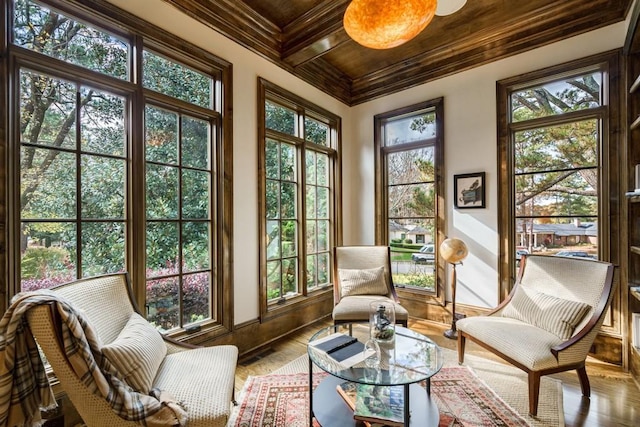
[[374, 405], [342, 348]]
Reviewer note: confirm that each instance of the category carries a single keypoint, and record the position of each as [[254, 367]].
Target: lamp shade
[[453, 250], [447, 7], [383, 24]]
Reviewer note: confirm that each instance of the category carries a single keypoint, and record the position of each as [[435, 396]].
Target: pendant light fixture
[[383, 24], [447, 7]]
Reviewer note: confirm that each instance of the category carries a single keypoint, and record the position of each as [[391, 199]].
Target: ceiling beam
[[506, 39], [313, 34], [238, 22]]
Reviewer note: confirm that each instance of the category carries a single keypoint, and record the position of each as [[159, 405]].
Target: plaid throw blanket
[[24, 387]]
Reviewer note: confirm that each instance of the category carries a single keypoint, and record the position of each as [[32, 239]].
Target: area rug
[[282, 400], [509, 383]]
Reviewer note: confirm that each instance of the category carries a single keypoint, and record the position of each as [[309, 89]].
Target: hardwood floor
[[615, 399]]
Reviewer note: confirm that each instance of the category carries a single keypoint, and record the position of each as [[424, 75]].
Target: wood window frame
[[413, 296], [139, 34], [266, 91], [610, 169]]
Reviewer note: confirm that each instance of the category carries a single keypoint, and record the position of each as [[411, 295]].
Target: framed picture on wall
[[469, 191]]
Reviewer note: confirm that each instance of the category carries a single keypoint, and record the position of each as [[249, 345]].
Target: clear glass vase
[[382, 321]]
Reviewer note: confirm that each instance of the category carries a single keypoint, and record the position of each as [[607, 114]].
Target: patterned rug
[[282, 400]]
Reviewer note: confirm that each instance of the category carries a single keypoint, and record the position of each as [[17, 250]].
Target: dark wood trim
[[268, 90], [225, 203], [632, 39], [325, 76], [609, 179], [254, 336], [381, 194], [137, 187], [503, 40], [4, 160], [238, 22], [139, 34], [314, 33], [298, 46]]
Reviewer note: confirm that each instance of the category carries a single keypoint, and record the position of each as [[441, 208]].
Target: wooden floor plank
[[615, 399]]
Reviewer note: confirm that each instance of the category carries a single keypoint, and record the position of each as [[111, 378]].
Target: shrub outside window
[[104, 183], [299, 152]]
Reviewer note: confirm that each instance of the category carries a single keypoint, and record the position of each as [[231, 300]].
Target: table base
[[330, 410]]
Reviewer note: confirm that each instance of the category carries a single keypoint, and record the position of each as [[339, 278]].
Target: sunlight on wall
[[478, 276]]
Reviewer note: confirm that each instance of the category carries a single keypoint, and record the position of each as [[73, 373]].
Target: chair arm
[[175, 346], [586, 329]]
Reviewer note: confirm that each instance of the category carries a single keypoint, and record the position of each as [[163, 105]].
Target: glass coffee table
[[411, 359]]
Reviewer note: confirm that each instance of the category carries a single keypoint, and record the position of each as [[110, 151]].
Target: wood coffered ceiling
[[306, 38]]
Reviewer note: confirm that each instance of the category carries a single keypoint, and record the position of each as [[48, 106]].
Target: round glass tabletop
[[408, 358]]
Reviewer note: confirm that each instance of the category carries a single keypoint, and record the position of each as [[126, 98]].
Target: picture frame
[[469, 190]]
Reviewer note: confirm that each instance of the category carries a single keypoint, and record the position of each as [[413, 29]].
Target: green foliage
[[163, 303], [418, 280], [173, 79], [316, 132], [556, 166], [279, 118], [42, 30], [42, 262]]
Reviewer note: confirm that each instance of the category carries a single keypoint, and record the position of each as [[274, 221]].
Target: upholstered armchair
[[201, 379], [362, 275], [549, 321]]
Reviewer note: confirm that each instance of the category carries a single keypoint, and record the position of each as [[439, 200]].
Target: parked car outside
[[576, 254], [425, 255]]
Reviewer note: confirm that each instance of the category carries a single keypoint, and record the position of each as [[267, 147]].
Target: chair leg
[[534, 392], [584, 381], [461, 342]]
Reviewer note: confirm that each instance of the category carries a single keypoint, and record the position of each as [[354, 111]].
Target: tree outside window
[[85, 148], [556, 138], [558, 131], [409, 156], [298, 156]]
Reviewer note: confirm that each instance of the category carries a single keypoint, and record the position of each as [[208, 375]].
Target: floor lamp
[[453, 251]]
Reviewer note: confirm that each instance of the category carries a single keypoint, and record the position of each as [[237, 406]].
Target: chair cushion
[[202, 379], [137, 353], [356, 308], [369, 281], [524, 343], [556, 315]]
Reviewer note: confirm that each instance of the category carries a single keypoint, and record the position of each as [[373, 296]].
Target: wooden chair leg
[[534, 392], [461, 342], [584, 381]]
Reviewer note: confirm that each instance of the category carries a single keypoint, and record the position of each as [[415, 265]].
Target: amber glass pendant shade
[[383, 24]]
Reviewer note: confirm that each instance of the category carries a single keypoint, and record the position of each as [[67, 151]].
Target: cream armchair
[[200, 378], [362, 274], [549, 321]]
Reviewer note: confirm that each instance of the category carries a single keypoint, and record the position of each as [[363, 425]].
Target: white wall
[[247, 67], [470, 146], [470, 139]]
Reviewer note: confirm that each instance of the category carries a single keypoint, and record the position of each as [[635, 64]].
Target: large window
[[299, 155], [554, 145], [115, 161], [409, 159], [72, 181]]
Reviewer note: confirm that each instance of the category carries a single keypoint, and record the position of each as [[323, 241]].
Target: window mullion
[[302, 218]]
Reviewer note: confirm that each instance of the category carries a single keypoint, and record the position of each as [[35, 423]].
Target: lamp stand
[[453, 332]]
